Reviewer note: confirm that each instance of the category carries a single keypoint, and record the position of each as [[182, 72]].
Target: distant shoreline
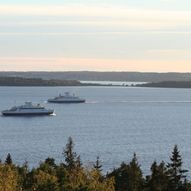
[[101, 76], [167, 84], [39, 82], [19, 81]]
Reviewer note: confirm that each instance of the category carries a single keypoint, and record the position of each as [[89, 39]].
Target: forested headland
[[19, 81], [72, 175]]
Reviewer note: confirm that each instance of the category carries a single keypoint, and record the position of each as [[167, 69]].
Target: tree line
[[72, 175], [167, 84], [19, 81]]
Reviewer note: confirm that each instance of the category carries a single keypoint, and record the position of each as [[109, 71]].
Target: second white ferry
[[67, 98], [28, 109]]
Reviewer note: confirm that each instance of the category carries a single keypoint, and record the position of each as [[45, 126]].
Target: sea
[[114, 123]]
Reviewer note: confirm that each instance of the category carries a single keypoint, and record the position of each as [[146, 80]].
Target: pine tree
[[50, 161], [8, 159], [158, 180], [71, 158], [135, 178], [176, 173], [128, 176], [98, 165]]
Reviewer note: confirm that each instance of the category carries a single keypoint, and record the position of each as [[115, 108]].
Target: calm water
[[113, 124]]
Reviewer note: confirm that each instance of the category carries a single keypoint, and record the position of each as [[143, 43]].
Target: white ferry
[[67, 98], [28, 109]]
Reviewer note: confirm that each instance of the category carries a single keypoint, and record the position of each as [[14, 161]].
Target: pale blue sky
[[143, 35], [163, 4]]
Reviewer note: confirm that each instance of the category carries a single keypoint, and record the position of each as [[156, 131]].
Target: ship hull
[[66, 101], [27, 114]]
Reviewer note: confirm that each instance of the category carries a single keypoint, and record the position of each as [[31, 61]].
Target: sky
[[95, 35]]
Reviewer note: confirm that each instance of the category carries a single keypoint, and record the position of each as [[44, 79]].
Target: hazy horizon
[[143, 36], [88, 71]]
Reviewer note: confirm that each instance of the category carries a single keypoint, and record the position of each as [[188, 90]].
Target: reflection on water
[[114, 83]]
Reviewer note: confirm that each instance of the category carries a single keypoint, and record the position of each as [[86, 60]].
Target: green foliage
[[23, 172], [8, 159], [176, 173], [72, 176], [128, 176], [158, 180], [98, 183], [97, 165], [50, 161], [44, 181], [9, 178], [71, 158]]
